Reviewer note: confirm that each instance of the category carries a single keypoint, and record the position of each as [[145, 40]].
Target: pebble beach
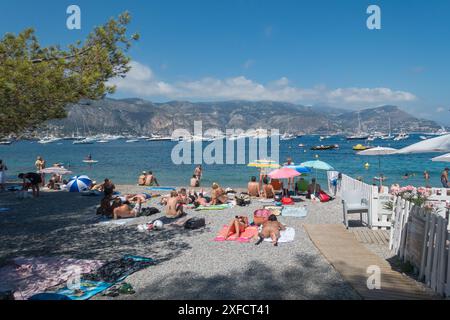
[[189, 264]]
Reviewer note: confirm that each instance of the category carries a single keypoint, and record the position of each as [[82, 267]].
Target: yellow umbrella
[[262, 165]]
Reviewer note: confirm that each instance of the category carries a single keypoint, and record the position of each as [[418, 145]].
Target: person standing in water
[[198, 172]]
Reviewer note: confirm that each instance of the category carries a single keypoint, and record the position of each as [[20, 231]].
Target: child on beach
[[271, 229]]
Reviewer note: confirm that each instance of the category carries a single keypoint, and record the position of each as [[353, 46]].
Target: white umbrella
[[438, 144], [378, 151], [444, 158]]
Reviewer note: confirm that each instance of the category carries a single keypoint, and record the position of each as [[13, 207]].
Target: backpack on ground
[[243, 200], [195, 223]]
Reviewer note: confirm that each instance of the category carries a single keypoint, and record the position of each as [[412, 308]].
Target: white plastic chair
[[353, 202]]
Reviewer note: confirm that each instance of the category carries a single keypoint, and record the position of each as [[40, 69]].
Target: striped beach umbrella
[[79, 183]]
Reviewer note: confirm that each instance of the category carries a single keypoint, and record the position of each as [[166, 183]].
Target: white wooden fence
[[421, 237], [378, 216]]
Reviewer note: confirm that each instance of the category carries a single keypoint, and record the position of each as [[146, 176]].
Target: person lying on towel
[[237, 226], [125, 210], [271, 229]]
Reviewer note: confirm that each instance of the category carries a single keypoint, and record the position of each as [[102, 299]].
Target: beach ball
[[158, 225]]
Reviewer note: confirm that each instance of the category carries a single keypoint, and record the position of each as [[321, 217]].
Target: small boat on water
[[401, 136], [301, 145], [360, 147], [90, 161], [84, 141], [132, 141], [322, 147], [47, 140], [324, 138], [5, 142]]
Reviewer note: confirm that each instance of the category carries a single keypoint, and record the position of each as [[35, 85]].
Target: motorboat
[[360, 147], [328, 147]]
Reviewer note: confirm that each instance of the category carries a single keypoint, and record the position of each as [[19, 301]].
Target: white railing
[[378, 216], [421, 237]]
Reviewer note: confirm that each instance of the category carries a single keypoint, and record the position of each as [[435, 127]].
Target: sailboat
[[360, 135], [389, 136], [83, 140]]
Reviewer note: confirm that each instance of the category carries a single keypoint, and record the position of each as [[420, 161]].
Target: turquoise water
[[123, 162]]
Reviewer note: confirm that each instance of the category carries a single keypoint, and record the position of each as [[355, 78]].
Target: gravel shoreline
[[190, 265]]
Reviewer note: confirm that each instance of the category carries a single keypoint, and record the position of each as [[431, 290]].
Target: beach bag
[[278, 197], [149, 212], [243, 200], [195, 223], [323, 197], [260, 216], [287, 201]]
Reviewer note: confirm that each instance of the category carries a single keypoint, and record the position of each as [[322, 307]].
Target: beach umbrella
[[79, 183], [263, 165], [284, 173], [299, 168], [56, 170], [438, 144], [317, 165], [378, 151], [444, 158]]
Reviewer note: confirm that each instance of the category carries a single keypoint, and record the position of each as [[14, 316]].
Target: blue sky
[[309, 52]]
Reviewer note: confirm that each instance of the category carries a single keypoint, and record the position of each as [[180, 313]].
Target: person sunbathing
[[142, 178], [237, 226], [141, 197], [124, 210], [218, 195], [268, 192], [151, 180], [271, 229], [174, 208], [253, 188]]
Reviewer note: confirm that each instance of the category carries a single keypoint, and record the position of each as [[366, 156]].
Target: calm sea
[[122, 162]]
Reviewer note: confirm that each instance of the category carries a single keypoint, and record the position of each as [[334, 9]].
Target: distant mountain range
[[140, 117]]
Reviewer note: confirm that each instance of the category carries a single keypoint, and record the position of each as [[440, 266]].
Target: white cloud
[[249, 63], [142, 82], [440, 109]]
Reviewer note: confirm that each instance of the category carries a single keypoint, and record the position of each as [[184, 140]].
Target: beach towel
[[86, 290], [118, 270], [161, 189], [26, 277], [297, 212], [216, 207], [287, 235], [246, 236], [119, 222], [266, 200]]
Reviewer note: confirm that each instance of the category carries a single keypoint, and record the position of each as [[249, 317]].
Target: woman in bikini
[[236, 227]]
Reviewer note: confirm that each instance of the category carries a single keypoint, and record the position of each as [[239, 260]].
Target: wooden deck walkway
[[351, 259], [366, 235]]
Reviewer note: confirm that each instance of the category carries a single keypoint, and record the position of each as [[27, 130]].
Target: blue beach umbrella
[[317, 165], [300, 169], [79, 183]]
